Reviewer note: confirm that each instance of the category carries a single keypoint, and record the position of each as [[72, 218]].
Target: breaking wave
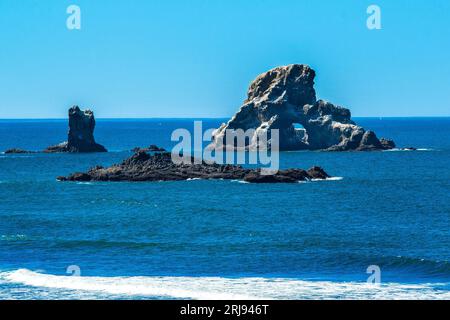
[[306, 181], [218, 288]]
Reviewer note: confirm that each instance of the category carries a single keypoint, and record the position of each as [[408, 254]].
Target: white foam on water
[[407, 150], [396, 150], [85, 183], [239, 181], [306, 181], [193, 179], [217, 288], [171, 287], [13, 237], [5, 156], [329, 179], [334, 179]]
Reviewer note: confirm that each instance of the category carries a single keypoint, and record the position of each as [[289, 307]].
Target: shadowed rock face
[[285, 96], [81, 133], [159, 167]]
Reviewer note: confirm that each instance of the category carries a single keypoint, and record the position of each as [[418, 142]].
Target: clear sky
[[195, 58]]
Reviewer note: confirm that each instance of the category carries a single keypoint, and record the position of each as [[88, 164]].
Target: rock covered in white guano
[[285, 96]]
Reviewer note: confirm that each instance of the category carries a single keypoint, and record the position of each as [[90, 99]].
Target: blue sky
[[196, 58]]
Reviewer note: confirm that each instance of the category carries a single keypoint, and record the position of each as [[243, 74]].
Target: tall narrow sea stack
[[81, 133], [284, 98]]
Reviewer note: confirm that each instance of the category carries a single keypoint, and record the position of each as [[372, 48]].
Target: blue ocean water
[[225, 239]]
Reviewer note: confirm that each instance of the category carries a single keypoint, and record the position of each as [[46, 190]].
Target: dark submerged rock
[[160, 167], [285, 96], [387, 144], [62, 147], [151, 148], [78, 176], [18, 151], [317, 173]]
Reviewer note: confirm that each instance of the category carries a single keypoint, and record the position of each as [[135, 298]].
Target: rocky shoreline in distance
[[160, 167]]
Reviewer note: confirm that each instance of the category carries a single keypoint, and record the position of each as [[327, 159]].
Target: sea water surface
[[224, 239]]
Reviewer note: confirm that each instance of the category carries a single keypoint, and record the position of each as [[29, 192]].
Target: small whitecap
[[407, 150], [334, 179], [329, 179], [14, 237], [240, 181]]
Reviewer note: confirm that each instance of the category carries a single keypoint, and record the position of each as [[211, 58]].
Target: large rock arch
[[284, 96]]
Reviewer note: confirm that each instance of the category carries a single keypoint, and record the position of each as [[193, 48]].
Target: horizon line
[[212, 118]]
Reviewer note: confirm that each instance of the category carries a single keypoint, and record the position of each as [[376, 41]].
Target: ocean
[[225, 239]]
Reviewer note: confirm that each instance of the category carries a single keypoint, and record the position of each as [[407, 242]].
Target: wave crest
[[217, 288]]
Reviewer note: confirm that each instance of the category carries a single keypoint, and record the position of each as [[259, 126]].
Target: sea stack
[[81, 133], [284, 98]]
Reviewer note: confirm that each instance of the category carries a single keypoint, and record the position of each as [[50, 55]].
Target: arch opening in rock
[[300, 133]]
